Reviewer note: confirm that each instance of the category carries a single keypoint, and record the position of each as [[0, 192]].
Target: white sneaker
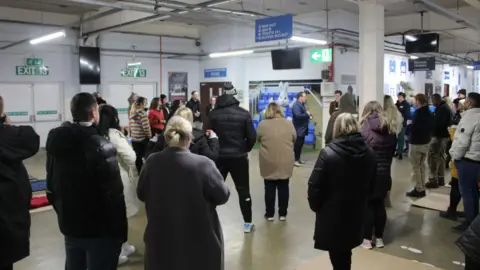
[[379, 243], [283, 218], [248, 227], [127, 250], [122, 260], [367, 244], [270, 218], [297, 164]]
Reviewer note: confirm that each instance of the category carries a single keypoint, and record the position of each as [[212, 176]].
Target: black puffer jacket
[[469, 243], [338, 191], [383, 144], [200, 145], [84, 184], [443, 119], [422, 126], [16, 145], [233, 126]]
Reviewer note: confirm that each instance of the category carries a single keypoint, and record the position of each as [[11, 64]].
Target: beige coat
[[277, 137]]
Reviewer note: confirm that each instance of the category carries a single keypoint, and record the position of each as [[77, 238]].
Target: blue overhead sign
[[215, 73], [476, 65], [274, 28]]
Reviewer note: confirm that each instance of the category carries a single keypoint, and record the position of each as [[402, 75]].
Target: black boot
[[433, 183], [400, 157], [441, 181], [416, 194], [449, 214], [462, 227]]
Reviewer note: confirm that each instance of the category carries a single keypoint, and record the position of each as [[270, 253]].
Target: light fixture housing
[[221, 3], [413, 57], [232, 53], [134, 64], [309, 40], [469, 67], [47, 37]]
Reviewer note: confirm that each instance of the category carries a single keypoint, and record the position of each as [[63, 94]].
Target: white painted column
[[371, 56]]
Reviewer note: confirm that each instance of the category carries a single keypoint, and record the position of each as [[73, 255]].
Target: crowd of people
[[176, 159]]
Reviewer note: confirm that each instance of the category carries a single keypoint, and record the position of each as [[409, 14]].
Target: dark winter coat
[[383, 144], [84, 183], [195, 106], [233, 126], [201, 145], [17, 143], [422, 126], [442, 121], [404, 108], [346, 105], [338, 191], [300, 119], [181, 191], [469, 242]]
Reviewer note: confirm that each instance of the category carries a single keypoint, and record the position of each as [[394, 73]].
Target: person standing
[[404, 108], [420, 136], [469, 243], [339, 197], [380, 137], [181, 191], [211, 106], [17, 143], [85, 187], [438, 145], [334, 104], [109, 127], [3, 116], [462, 94], [465, 152], [346, 105], [156, 117], [237, 136], [300, 121], [194, 105], [140, 131], [277, 137], [131, 99]]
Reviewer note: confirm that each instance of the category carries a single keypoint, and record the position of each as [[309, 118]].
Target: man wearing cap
[[237, 137]]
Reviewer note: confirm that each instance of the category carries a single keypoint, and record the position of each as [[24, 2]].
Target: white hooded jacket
[[126, 162], [466, 143]]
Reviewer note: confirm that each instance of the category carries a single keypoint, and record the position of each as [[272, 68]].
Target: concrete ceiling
[[55, 6]]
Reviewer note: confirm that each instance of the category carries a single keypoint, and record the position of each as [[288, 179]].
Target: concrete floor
[[279, 246]]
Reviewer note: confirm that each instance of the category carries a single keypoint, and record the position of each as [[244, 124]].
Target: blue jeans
[[401, 141], [468, 174], [92, 253]]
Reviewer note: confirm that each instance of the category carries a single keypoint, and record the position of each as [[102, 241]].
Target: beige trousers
[[418, 155]]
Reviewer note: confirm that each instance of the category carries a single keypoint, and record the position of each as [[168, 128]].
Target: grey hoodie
[[347, 105]]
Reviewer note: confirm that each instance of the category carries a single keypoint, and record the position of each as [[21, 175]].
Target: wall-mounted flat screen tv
[[89, 65], [422, 43], [286, 59]]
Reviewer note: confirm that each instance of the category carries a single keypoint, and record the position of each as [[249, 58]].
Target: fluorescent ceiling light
[[243, 13], [309, 40], [47, 37], [470, 67], [183, 12], [220, 10], [197, 8], [134, 64], [410, 38], [233, 53], [221, 3], [413, 57]]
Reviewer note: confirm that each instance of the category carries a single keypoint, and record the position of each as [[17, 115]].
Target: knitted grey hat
[[229, 89]]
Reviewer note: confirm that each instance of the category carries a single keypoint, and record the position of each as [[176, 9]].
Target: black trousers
[[140, 149], [298, 147], [455, 196], [341, 260], [92, 253], [7, 267], [239, 170], [271, 187], [376, 219], [471, 264]]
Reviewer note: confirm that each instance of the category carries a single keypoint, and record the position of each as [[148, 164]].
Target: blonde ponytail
[[178, 132]]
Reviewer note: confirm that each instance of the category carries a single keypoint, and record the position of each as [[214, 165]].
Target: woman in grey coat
[[181, 191]]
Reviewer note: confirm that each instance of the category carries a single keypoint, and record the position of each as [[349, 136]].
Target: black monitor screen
[[286, 59], [422, 43], [89, 65]]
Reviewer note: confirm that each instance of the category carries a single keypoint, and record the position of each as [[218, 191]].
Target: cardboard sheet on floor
[[436, 201], [367, 260]]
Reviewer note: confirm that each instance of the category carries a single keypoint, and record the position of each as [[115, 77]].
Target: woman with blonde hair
[[339, 196], [203, 143], [3, 116], [140, 131], [394, 117], [380, 137], [181, 191], [276, 136]]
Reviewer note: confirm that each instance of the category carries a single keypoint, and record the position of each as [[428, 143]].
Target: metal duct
[[446, 13]]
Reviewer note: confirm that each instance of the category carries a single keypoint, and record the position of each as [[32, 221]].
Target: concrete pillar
[[371, 56]]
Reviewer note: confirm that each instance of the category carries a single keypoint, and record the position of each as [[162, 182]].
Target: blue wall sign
[[403, 67], [447, 75], [215, 73], [393, 66], [274, 28], [476, 65]]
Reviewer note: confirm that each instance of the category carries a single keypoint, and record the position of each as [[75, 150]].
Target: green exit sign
[[33, 62], [133, 72], [321, 55]]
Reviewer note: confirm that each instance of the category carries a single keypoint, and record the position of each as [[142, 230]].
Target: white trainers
[[367, 244], [297, 164], [248, 227], [122, 260], [270, 218], [379, 243], [127, 250], [283, 218]]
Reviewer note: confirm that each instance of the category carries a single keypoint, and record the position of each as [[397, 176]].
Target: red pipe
[[331, 67]]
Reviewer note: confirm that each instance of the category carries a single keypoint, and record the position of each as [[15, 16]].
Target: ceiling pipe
[[155, 35], [431, 6], [99, 15]]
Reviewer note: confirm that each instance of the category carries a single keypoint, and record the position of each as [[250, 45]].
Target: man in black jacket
[[420, 136], [237, 137], [85, 188], [404, 108], [17, 143], [439, 142], [194, 105]]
